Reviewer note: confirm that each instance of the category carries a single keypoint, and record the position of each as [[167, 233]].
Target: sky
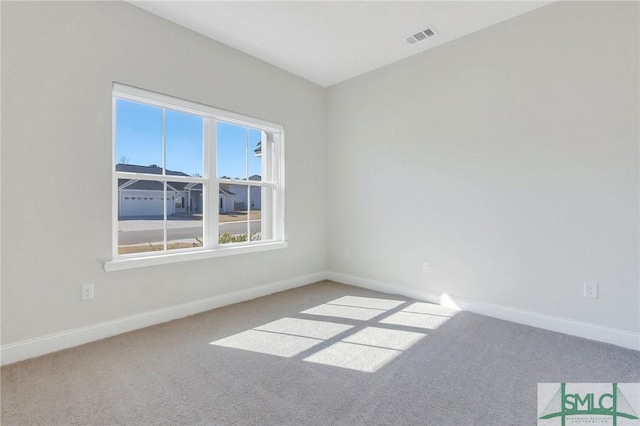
[[139, 142]]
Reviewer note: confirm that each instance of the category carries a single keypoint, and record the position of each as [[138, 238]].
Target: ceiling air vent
[[422, 35]]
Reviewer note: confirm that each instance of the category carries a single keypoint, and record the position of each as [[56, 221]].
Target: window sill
[[167, 258]]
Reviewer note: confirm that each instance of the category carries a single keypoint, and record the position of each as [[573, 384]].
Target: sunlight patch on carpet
[[385, 338], [348, 312], [367, 350], [367, 302], [354, 357], [282, 345], [352, 332], [305, 328], [409, 319], [286, 337], [430, 308]]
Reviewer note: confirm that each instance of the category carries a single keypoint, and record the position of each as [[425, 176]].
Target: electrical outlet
[[87, 291], [425, 267], [345, 255], [591, 290]]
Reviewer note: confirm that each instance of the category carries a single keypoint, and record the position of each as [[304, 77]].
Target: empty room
[[320, 213]]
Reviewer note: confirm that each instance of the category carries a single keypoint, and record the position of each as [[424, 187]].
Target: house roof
[[252, 177], [153, 185], [150, 185], [226, 191], [152, 169]]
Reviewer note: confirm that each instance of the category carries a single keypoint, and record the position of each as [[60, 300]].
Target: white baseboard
[[30, 348], [624, 338]]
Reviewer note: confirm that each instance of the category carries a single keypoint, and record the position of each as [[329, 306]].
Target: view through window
[[189, 177]]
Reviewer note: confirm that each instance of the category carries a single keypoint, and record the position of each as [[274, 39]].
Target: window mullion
[[158, 177], [253, 183], [248, 210], [246, 176], [211, 227], [164, 184]]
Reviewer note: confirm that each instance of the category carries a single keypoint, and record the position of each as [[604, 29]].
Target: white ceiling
[[330, 41]]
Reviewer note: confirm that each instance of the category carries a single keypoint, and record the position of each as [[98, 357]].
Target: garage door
[[141, 203]]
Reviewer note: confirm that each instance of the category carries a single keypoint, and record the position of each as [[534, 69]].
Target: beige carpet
[[324, 354]]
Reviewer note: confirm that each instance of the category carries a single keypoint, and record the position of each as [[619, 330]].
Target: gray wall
[[58, 63], [508, 159]]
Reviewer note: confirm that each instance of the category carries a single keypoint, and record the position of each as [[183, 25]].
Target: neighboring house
[[227, 203], [144, 198], [255, 202]]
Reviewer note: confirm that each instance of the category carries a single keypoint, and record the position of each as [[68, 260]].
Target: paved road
[[152, 233]]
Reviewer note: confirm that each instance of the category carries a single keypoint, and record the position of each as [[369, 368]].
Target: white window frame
[[273, 147]]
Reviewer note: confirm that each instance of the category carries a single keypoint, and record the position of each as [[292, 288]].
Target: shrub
[[227, 238]]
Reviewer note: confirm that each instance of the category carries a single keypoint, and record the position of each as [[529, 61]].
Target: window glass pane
[[232, 216], [140, 216], [184, 215], [184, 144], [194, 201], [244, 213], [255, 155], [255, 198], [138, 135], [231, 151]]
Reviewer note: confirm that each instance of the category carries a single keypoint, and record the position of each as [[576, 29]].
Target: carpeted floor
[[324, 354]]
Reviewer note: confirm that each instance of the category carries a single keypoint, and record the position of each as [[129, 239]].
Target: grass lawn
[[239, 216]]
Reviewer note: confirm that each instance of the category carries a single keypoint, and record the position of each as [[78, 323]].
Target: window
[[211, 182]]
